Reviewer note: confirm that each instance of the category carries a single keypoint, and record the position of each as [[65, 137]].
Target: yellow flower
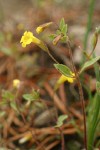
[[42, 27], [28, 38], [16, 83], [63, 79]]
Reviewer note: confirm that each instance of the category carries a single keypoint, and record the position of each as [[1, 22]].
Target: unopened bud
[[57, 39], [94, 40], [42, 27]]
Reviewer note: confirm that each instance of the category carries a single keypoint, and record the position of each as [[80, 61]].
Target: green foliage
[[62, 23], [7, 96], [61, 31], [98, 87], [60, 120], [52, 36], [63, 70], [6, 51], [63, 27], [9, 99], [14, 106], [93, 119], [32, 97], [3, 48], [94, 40], [89, 63]]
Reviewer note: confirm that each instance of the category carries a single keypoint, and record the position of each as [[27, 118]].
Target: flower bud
[[16, 83], [42, 27]]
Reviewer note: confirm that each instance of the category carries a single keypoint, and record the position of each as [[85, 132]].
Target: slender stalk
[[80, 93], [53, 58]]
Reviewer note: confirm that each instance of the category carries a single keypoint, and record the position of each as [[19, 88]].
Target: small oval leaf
[[14, 106], [28, 97], [61, 119], [32, 97], [64, 70]]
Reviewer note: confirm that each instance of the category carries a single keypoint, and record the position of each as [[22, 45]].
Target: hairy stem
[[80, 93]]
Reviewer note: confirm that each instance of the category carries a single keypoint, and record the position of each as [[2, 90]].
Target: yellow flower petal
[[63, 79], [23, 45], [28, 38]]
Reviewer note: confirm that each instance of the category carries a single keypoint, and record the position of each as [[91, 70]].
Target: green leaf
[[7, 95], [61, 119], [64, 30], [63, 70], [52, 36], [28, 97], [14, 106], [62, 23], [98, 87], [35, 94], [64, 39], [89, 63], [6, 51], [58, 32], [32, 97]]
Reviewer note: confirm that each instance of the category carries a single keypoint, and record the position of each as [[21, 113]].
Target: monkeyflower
[[42, 27], [29, 38], [63, 79]]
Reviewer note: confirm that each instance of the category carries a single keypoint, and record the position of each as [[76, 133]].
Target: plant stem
[[53, 58], [80, 93]]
